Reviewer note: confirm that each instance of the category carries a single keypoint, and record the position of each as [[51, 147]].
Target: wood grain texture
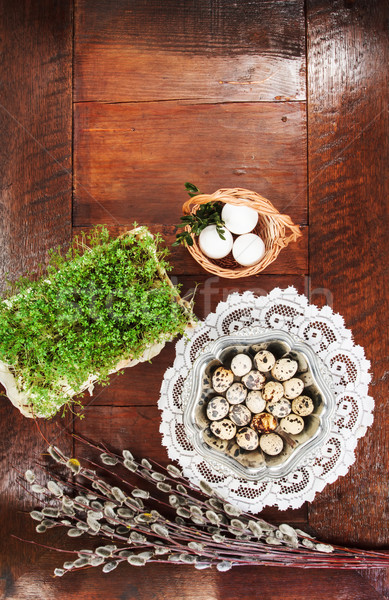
[[35, 212], [212, 51], [164, 582], [131, 159], [36, 130], [348, 210], [348, 158], [20, 445], [292, 262]]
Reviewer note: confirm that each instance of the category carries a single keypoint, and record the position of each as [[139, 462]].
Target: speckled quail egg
[[234, 450], [271, 444], [284, 369], [264, 361], [303, 406], [222, 379], [306, 378], [293, 388], [236, 393], [292, 424], [273, 390], [264, 422], [217, 408], [254, 380], [255, 401], [225, 429], [300, 358], [240, 415], [279, 408], [247, 438], [214, 441], [241, 364]]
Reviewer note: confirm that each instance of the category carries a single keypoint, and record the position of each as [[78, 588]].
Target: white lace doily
[[325, 332]]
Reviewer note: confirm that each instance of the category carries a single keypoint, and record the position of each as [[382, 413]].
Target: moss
[[102, 301]]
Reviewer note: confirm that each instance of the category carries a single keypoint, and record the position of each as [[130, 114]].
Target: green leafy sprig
[[194, 224]]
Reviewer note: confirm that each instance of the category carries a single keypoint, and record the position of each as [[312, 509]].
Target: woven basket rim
[[275, 237]]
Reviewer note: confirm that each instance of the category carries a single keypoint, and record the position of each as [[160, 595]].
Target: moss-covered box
[[104, 305]]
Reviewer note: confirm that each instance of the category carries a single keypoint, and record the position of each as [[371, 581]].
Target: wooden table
[[107, 108]]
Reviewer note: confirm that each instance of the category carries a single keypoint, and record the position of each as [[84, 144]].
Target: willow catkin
[[145, 534]]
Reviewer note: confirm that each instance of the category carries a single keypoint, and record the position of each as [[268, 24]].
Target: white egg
[[239, 219], [248, 249], [211, 243]]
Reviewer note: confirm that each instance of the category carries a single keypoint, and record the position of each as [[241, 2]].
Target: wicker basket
[[271, 227]]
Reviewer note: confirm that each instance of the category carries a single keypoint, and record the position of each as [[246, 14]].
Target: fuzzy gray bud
[[108, 460]]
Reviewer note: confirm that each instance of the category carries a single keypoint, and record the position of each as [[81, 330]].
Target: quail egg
[[292, 424], [236, 393], [247, 438], [279, 408], [222, 379], [271, 444], [264, 422], [284, 369], [303, 406], [225, 429], [306, 378], [264, 361], [241, 364], [273, 390], [217, 408], [255, 401], [254, 380], [293, 388], [240, 415]]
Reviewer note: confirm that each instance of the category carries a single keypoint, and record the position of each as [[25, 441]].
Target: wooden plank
[[35, 209], [131, 159], [293, 261], [209, 50], [20, 445], [157, 582], [36, 130], [348, 156]]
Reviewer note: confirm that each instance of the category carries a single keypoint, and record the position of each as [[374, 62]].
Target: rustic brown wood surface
[[204, 51], [147, 150], [212, 92], [35, 209], [161, 582], [36, 130], [348, 158]]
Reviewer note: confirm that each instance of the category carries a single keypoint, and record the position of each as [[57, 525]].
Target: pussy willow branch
[[205, 530]]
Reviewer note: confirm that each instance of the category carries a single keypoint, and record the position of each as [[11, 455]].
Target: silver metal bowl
[[227, 457]]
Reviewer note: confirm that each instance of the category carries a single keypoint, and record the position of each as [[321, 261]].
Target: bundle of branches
[[154, 514]]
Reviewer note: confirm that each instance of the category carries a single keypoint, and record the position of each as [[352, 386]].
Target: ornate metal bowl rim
[[193, 387]]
